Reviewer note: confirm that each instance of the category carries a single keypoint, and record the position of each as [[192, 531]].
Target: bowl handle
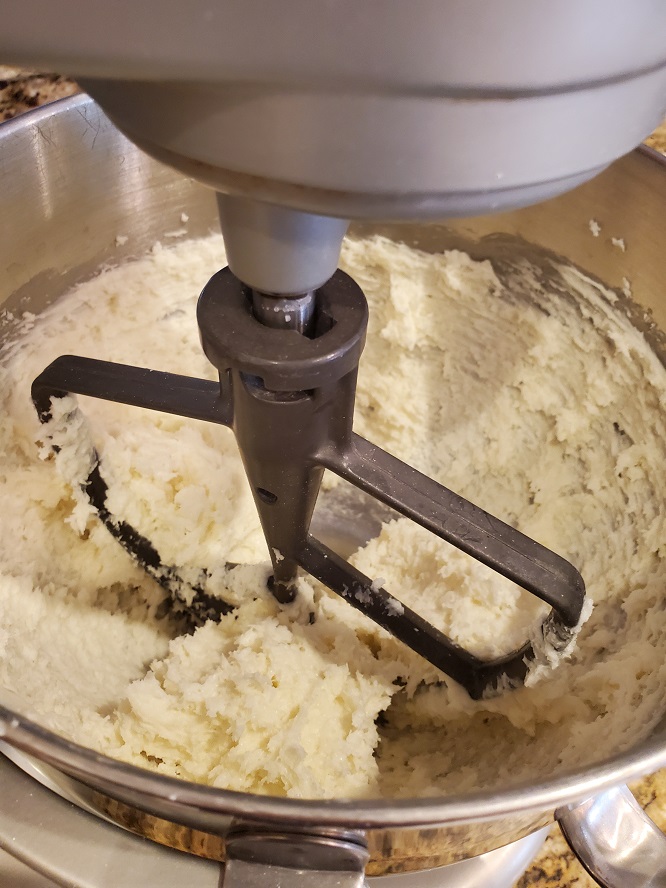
[[616, 842], [262, 857]]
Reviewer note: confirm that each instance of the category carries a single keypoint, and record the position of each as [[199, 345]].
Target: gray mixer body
[[382, 109]]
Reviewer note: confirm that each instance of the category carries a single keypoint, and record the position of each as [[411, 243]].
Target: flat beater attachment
[[288, 395]]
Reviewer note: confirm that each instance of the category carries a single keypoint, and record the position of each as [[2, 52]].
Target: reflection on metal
[[616, 841]]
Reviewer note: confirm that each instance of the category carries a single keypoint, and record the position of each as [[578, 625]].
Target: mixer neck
[[276, 250]]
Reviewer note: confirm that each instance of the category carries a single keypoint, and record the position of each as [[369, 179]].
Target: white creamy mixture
[[549, 411]]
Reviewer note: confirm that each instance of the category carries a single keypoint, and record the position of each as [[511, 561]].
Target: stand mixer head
[[299, 134]]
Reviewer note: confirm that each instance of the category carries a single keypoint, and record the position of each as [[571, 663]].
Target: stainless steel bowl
[[69, 184]]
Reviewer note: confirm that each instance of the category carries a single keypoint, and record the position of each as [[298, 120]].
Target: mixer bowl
[[71, 183]]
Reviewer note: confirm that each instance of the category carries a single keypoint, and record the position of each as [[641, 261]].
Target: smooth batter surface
[[543, 408]]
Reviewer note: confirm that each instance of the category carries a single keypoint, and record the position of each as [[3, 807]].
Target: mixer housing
[[400, 111]]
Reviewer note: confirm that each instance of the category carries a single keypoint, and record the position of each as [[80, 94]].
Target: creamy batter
[[537, 401]]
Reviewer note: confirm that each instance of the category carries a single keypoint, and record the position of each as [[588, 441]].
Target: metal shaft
[[286, 312]]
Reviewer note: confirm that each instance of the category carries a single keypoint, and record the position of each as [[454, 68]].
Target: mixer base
[[59, 840]]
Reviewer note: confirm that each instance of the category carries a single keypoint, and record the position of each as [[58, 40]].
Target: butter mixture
[[528, 393]]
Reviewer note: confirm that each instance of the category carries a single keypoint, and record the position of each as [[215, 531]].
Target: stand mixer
[[292, 142], [300, 124]]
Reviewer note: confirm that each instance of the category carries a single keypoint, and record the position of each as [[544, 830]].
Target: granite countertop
[[555, 867], [21, 90]]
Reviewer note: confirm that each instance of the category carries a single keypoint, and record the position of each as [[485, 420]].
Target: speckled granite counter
[[658, 139], [555, 867], [20, 90]]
